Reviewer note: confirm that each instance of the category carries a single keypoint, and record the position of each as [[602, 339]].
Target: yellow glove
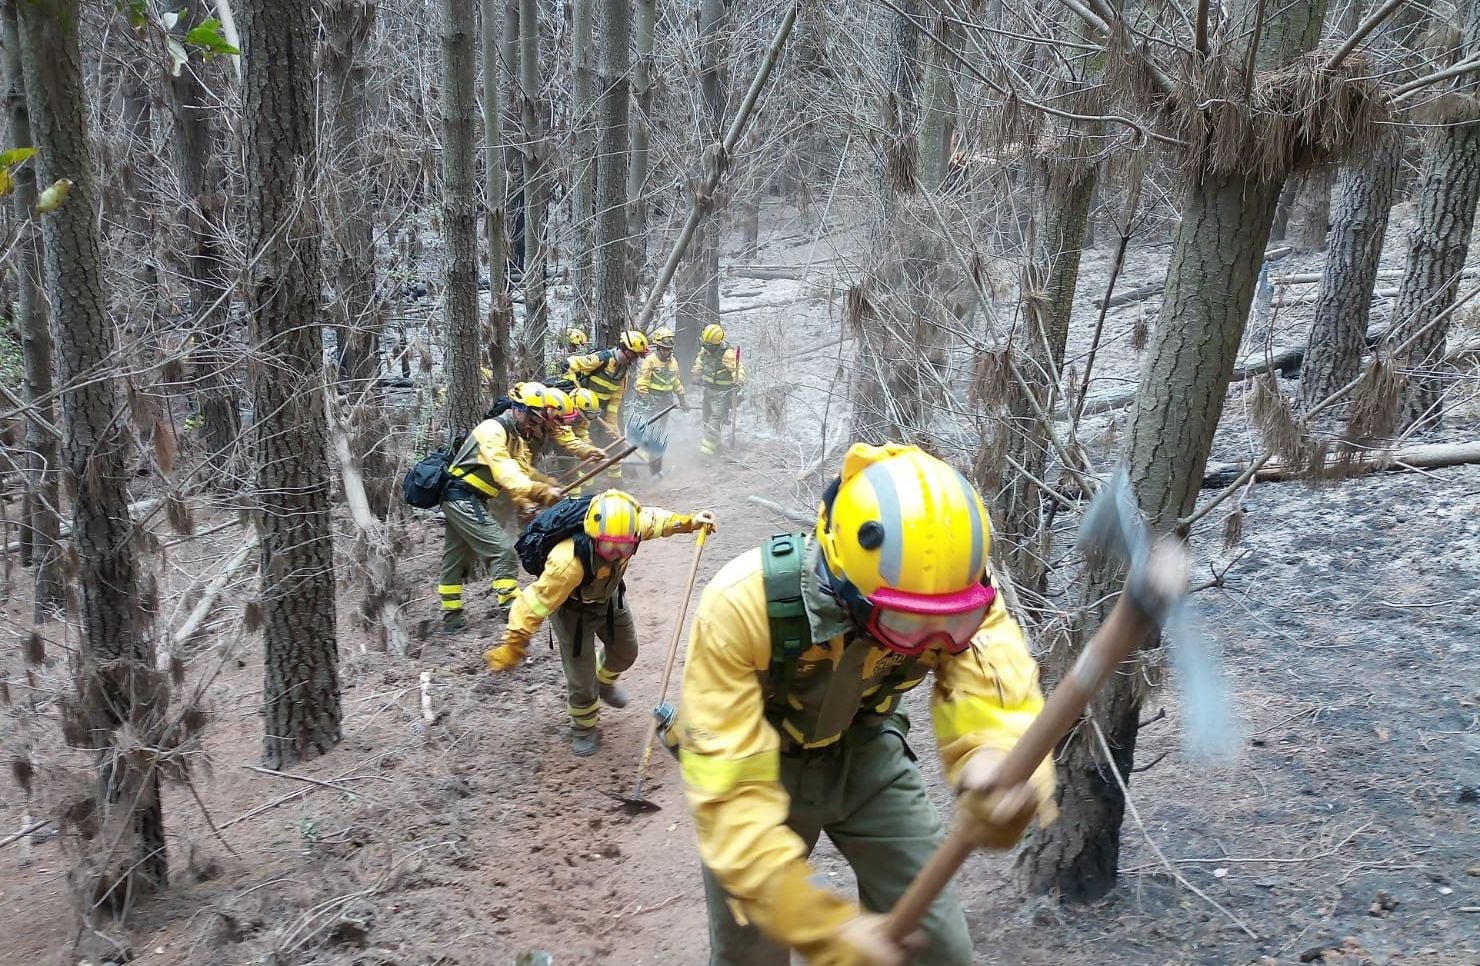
[[703, 520], [506, 656], [997, 817], [864, 941], [545, 494]]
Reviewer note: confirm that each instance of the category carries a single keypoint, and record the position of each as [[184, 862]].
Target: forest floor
[[1347, 830]]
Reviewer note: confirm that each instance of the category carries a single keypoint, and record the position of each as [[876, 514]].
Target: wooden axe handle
[[605, 464], [1126, 626]]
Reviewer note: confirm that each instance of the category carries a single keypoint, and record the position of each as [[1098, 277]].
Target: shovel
[[635, 804]]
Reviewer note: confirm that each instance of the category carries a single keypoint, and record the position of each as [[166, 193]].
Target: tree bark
[[496, 206], [609, 304], [460, 218], [583, 163], [1448, 191], [937, 113], [1215, 264], [536, 187], [291, 509], [117, 685], [1313, 209], [209, 273], [1338, 330], [643, 75], [41, 524]]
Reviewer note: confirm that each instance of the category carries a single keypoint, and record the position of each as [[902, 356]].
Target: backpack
[[500, 406], [550, 526], [426, 482], [791, 634]]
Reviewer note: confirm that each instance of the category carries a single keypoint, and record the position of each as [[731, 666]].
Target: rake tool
[[651, 438], [621, 449], [635, 804]]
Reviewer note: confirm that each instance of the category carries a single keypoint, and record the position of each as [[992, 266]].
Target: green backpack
[[781, 568]]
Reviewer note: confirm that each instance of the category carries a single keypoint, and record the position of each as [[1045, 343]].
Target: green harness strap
[[791, 634]]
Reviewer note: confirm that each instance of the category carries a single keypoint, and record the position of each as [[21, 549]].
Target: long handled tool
[[635, 804], [1157, 581], [623, 448]]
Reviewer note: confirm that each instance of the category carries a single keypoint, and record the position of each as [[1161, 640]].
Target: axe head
[[1113, 534]]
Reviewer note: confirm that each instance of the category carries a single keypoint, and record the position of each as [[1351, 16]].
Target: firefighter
[[604, 372], [718, 368], [572, 342], [589, 408], [790, 722], [580, 590], [658, 382], [493, 476], [569, 434]]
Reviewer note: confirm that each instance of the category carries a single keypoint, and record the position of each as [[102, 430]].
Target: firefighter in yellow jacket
[[604, 372], [790, 721], [492, 475], [718, 368], [658, 381], [580, 590]]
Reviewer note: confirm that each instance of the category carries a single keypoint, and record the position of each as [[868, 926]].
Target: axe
[[1112, 531]]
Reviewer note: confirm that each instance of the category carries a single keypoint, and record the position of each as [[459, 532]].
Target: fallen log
[[202, 609], [379, 554], [786, 513], [795, 273], [1427, 456], [1310, 278]]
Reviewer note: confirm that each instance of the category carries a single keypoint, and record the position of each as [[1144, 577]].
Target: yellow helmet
[[905, 538], [575, 338], [713, 334], [531, 394], [662, 338], [585, 400], [559, 405], [612, 524], [634, 341]]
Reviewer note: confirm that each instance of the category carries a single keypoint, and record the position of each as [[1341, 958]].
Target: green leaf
[[15, 156], [207, 36]]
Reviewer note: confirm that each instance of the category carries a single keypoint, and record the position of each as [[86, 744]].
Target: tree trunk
[[117, 686], [583, 162], [460, 218], [638, 126], [1049, 283], [1215, 263], [496, 207], [1334, 347], [301, 690], [1448, 191], [209, 273], [536, 187], [1313, 209], [41, 524], [937, 113], [610, 290]]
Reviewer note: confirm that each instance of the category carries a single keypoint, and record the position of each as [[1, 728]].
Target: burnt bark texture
[[1313, 209], [117, 686], [41, 525], [533, 111], [209, 273], [1338, 329], [1448, 191], [639, 129], [460, 216], [496, 204], [582, 159], [697, 297], [301, 698], [609, 296], [1216, 256]]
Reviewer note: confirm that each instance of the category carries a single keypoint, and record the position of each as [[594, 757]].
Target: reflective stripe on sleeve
[[715, 776]]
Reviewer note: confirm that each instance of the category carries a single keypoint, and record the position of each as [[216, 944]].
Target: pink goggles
[[910, 623], [615, 548]]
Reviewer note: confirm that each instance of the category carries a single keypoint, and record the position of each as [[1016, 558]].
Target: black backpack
[[426, 482], [550, 526]]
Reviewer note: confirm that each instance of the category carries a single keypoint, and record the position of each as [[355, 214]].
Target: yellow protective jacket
[[601, 373], [494, 459], [719, 370], [729, 750], [657, 375], [575, 440], [564, 576]]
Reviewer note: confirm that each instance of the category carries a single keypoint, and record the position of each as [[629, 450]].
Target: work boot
[[584, 741], [612, 695], [453, 621]]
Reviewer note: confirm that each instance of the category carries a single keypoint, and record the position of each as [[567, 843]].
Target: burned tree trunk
[[610, 290], [1338, 330], [301, 691], [536, 185], [196, 126], [643, 79], [583, 163], [118, 687], [460, 217], [496, 213], [41, 524], [1313, 210]]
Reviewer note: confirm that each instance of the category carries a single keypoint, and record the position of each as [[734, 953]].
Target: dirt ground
[[1346, 831]]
